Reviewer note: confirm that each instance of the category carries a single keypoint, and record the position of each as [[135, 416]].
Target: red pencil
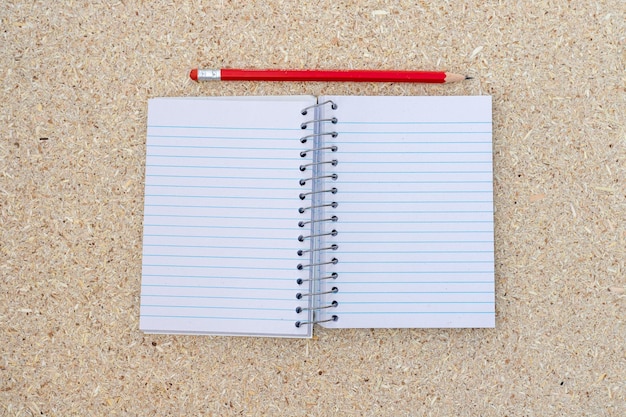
[[230, 74]]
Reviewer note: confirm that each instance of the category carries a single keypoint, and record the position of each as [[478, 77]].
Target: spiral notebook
[[267, 216]]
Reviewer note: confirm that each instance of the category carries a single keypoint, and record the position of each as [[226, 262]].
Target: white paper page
[[221, 216], [415, 195]]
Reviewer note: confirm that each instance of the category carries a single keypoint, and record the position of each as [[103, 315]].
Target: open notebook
[[363, 212]]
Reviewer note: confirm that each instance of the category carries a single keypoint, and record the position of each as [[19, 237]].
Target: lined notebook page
[[415, 212], [221, 216]]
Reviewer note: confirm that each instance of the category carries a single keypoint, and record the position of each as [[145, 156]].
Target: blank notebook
[[265, 216]]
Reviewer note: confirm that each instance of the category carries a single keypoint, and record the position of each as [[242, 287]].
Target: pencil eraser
[[194, 74]]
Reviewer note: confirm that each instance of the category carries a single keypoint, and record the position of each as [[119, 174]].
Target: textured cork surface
[[75, 78]]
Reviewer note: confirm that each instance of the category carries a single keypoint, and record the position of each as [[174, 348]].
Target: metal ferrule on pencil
[[209, 75]]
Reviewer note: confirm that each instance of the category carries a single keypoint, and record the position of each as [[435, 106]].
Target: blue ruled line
[[224, 128], [215, 287], [213, 317], [416, 312], [217, 307]]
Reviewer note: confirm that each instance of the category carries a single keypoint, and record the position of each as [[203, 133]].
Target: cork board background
[[75, 79]]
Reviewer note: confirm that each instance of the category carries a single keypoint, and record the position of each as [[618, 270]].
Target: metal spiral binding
[[304, 139], [302, 238], [315, 106], [333, 177], [334, 317], [303, 195], [334, 275], [334, 246], [304, 125], [330, 219], [331, 148], [333, 162], [316, 205]]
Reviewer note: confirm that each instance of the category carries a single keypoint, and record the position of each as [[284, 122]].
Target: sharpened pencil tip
[[467, 77]]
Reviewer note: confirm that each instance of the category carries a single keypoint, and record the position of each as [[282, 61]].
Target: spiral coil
[[316, 203]]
